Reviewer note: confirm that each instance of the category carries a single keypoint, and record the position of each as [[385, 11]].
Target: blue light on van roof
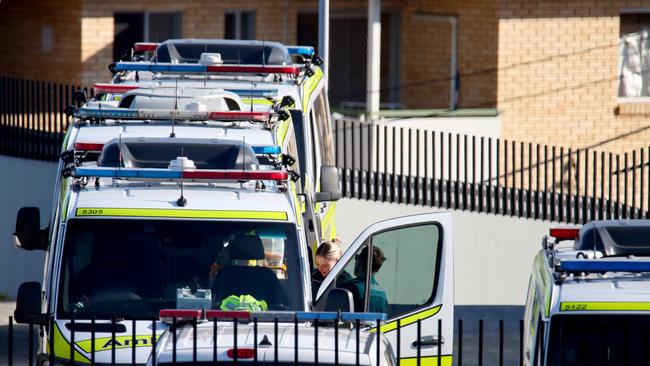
[[306, 51], [313, 315], [364, 317], [267, 149], [600, 265], [145, 173], [254, 93]]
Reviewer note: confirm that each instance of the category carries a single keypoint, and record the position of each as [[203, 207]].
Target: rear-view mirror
[[329, 184], [28, 234], [28, 304]]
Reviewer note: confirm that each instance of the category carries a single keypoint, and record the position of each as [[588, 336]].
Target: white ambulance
[[154, 225], [588, 296]]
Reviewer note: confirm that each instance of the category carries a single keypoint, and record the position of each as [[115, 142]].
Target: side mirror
[[29, 235], [28, 304], [337, 299], [329, 184]]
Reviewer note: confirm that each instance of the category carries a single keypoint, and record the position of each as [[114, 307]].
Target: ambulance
[[258, 72], [200, 226], [588, 296]]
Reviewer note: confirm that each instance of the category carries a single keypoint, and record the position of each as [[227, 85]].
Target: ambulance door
[[404, 267]]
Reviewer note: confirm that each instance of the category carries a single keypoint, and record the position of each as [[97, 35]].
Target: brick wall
[[557, 79], [25, 23]]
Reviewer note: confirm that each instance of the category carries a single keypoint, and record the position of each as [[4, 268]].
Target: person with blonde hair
[[327, 255]]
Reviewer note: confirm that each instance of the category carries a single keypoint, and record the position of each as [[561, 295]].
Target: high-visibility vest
[[243, 302]]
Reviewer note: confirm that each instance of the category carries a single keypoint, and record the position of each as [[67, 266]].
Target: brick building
[[550, 68]]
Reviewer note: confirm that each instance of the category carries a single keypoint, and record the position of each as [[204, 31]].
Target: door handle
[[428, 341]]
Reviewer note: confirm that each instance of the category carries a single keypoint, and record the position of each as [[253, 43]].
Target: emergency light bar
[[113, 88], [156, 173], [167, 315], [166, 67], [151, 114], [145, 47], [604, 265], [565, 233], [93, 146], [305, 51]]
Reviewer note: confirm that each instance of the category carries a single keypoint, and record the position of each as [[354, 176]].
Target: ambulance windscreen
[[158, 152], [577, 340], [135, 268]]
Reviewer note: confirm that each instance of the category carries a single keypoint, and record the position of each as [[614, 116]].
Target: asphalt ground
[[470, 315]]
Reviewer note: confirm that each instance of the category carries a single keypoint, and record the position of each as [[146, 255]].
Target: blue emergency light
[[267, 149], [600, 265], [305, 51], [364, 317], [145, 173], [255, 93]]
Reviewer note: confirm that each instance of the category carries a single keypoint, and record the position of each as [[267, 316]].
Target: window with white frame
[[634, 55], [135, 27], [239, 24]]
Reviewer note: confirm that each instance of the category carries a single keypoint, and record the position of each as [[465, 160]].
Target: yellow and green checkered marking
[[604, 306]]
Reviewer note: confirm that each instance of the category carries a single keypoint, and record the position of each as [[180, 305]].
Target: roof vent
[[181, 163], [210, 59]]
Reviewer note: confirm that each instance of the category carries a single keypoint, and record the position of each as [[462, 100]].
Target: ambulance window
[[292, 149], [404, 265], [324, 129], [315, 146]]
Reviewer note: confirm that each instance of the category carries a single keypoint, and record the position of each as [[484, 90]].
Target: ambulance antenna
[[181, 201], [205, 76], [251, 96], [173, 134], [119, 166]]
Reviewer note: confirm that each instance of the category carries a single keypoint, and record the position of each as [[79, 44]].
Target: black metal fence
[[494, 343], [414, 166], [32, 119]]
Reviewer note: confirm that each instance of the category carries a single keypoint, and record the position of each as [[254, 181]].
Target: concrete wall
[[25, 183], [492, 254]]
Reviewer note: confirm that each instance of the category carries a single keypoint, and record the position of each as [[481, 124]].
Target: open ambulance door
[[408, 276]]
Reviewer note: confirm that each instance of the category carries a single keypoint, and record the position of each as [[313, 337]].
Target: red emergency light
[[113, 88], [254, 69], [236, 175], [565, 233], [167, 316], [88, 146], [145, 47], [240, 116]]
